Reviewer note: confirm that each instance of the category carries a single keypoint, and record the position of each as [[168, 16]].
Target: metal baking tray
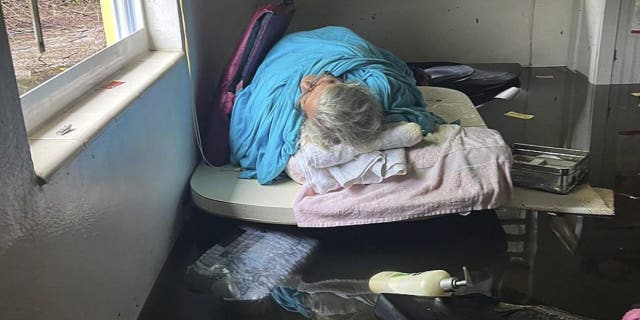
[[556, 170]]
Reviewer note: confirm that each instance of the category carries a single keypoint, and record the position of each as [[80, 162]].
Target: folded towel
[[367, 168], [372, 167], [342, 166], [396, 135]]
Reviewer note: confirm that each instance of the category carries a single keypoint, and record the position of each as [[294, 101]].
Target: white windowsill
[[91, 113]]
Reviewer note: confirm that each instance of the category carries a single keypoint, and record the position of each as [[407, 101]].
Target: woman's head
[[339, 113]]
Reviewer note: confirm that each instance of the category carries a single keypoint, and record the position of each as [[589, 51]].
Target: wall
[[593, 16], [551, 32], [213, 30], [90, 244], [525, 31], [602, 64], [580, 34], [626, 68], [594, 39], [579, 55]]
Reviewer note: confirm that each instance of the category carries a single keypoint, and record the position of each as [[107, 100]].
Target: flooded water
[[588, 266]]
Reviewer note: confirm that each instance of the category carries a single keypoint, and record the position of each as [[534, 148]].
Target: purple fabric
[[272, 29], [266, 27], [234, 68]]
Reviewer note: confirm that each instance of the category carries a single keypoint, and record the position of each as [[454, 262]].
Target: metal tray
[[556, 170]]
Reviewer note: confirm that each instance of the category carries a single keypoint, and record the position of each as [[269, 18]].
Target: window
[[82, 42], [51, 36]]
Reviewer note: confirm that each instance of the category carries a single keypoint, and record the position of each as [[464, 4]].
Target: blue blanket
[[264, 128]]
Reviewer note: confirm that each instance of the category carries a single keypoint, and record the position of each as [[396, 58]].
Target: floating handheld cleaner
[[433, 283]]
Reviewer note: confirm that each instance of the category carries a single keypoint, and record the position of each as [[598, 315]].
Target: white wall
[[551, 34], [626, 69], [530, 32], [594, 40], [579, 55], [90, 243], [213, 29], [602, 64], [580, 34]]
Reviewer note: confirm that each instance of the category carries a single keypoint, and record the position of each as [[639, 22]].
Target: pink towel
[[453, 170], [633, 314]]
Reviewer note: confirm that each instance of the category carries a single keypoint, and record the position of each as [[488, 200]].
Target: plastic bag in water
[[250, 263]]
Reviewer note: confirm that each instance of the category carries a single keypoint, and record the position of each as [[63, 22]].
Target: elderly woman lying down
[[337, 112], [344, 88], [341, 116]]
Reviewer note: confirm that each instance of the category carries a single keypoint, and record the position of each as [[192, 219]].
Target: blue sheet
[[264, 128]]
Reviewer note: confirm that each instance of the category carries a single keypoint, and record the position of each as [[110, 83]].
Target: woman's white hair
[[346, 113]]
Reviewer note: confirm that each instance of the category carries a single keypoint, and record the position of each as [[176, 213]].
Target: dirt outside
[[72, 31]]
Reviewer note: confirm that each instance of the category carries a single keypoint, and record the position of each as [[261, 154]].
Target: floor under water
[[589, 266]]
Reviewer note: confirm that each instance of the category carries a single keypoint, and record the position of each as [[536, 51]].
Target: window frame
[[128, 15], [53, 96]]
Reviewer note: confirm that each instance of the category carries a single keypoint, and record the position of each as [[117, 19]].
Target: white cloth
[[372, 167], [396, 135], [341, 166], [367, 168]]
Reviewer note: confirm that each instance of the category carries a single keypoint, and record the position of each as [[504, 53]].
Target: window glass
[[72, 30]]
